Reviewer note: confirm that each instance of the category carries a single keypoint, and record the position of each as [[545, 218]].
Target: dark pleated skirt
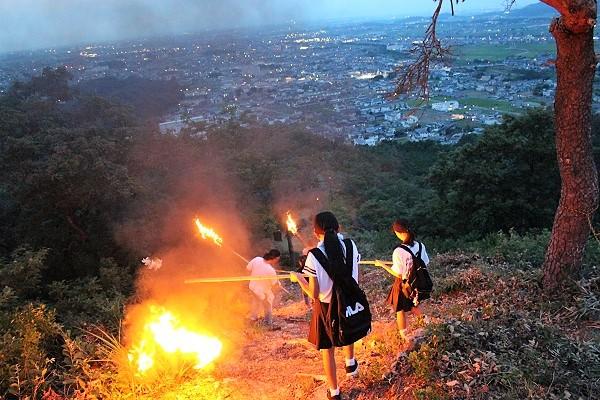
[[398, 299], [318, 334]]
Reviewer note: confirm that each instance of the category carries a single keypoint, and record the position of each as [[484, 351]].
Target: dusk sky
[[28, 24]]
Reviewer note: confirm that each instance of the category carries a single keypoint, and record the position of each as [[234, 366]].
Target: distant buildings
[[333, 81], [445, 106]]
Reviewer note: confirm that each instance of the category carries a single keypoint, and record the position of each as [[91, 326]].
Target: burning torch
[[293, 228], [209, 233]]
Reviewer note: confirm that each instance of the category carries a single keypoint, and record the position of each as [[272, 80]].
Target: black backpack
[[348, 317], [418, 277]]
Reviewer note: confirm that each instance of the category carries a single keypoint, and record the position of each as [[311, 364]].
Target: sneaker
[[352, 370], [336, 397]]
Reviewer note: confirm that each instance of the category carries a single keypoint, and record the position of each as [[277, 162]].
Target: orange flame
[[209, 233], [164, 335], [291, 224]]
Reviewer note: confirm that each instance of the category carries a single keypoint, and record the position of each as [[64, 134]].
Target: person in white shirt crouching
[[262, 291]]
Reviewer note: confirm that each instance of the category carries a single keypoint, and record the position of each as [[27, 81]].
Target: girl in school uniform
[[399, 297], [319, 287]]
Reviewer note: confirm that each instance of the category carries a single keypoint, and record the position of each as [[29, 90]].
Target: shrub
[[85, 301], [30, 343], [422, 361], [22, 272]]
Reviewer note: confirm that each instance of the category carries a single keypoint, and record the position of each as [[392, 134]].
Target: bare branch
[[509, 4], [414, 78]]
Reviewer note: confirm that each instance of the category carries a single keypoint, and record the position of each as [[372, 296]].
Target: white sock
[[334, 392], [350, 362]]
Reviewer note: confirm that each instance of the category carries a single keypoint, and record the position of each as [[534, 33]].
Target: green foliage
[[421, 361], [63, 181], [494, 184], [93, 300], [21, 273], [52, 84], [29, 342], [511, 247], [375, 244], [85, 300], [399, 189]]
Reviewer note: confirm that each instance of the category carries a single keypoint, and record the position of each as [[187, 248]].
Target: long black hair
[[402, 225], [326, 224], [272, 254]]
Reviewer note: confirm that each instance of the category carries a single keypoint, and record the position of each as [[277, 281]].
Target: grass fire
[[166, 339]]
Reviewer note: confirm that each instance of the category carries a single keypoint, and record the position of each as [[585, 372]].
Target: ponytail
[[326, 224]]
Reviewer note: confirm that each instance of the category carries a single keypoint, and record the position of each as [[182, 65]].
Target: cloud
[[30, 24], [46, 23]]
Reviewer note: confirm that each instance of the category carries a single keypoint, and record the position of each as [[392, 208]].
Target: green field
[[498, 53], [490, 104], [478, 102]]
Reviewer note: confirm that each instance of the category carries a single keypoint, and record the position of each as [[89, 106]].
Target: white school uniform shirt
[[313, 268], [262, 289], [402, 260]]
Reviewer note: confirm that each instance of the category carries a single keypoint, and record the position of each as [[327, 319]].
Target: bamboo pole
[[372, 262], [237, 254], [241, 278], [260, 277]]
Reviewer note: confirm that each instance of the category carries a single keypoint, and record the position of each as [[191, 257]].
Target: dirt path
[[281, 364]]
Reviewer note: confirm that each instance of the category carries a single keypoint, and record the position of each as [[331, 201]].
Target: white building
[[445, 105]]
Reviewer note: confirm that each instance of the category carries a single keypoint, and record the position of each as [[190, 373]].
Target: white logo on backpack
[[357, 308]]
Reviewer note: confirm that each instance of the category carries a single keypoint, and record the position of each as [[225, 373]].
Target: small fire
[[209, 233], [291, 224], [163, 335]]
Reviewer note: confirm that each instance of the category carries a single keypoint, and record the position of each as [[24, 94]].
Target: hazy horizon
[[38, 24]]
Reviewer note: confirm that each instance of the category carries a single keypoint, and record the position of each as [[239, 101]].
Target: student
[[320, 287], [399, 297], [262, 291]]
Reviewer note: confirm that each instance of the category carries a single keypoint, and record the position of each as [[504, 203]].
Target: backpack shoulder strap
[[419, 251], [407, 249], [349, 254], [322, 259]]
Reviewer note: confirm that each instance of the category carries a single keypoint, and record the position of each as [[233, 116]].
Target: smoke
[[231, 182], [29, 24], [178, 182]]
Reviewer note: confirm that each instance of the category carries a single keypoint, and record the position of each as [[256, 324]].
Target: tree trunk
[[575, 68]]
